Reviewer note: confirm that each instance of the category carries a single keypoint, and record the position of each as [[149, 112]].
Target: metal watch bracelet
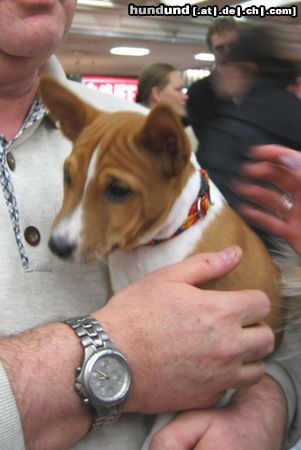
[[92, 336], [89, 331]]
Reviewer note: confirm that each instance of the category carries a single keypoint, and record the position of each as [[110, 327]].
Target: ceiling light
[[208, 57], [129, 51], [101, 3]]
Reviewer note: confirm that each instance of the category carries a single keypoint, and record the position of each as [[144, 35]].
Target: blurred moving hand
[[281, 215]]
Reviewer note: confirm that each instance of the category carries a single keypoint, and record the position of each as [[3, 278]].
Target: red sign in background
[[125, 88]]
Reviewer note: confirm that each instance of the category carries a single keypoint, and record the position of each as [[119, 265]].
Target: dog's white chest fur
[[127, 267]]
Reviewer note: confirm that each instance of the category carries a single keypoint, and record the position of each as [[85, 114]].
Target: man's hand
[[196, 344], [255, 420]]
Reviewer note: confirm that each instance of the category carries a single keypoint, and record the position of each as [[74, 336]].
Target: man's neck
[[17, 91], [13, 112]]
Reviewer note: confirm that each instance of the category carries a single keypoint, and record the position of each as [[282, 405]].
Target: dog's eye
[[67, 177], [117, 192]]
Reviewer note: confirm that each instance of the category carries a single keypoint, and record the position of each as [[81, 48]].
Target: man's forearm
[[41, 367]]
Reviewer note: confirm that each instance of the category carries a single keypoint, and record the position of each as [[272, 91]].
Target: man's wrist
[[267, 397], [280, 376]]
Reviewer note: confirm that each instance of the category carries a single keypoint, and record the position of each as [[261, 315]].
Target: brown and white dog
[[130, 183]]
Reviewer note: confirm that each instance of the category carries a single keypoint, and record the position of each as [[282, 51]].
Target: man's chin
[[31, 50], [33, 38]]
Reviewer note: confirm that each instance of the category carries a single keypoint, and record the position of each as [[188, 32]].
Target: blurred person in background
[[204, 100], [256, 74], [162, 82]]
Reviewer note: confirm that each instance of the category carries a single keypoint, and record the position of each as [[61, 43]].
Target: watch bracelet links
[[91, 333], [101, 420]]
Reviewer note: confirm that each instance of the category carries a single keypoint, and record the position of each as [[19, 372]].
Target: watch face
[[109, 378]]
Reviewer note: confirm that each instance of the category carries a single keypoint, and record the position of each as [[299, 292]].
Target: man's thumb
[[204, 267]]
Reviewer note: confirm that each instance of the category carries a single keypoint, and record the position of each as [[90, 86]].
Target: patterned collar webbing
[[36, 112], [197, 210]]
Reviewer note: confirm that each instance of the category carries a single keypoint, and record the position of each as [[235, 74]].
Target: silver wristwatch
[[104, 378]]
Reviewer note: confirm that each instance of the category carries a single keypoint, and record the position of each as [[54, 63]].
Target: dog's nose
[[61, 247]]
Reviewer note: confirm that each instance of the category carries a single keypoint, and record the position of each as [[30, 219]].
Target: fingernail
[[229, 254], [292, 162]]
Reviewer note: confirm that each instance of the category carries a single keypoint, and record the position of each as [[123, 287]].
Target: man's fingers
[[182, 433], [277, 154], [253, 306], [203, 267], [258, 342], [266, 198], [250, 373], [268, 172]]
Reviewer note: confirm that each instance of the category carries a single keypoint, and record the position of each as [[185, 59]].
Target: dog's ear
[[64, 106], [164, 136]]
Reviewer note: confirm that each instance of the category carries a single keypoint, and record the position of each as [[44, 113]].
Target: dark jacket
[[203, 104]]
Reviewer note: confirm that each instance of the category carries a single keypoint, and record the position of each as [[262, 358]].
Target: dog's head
[[122, 177]]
